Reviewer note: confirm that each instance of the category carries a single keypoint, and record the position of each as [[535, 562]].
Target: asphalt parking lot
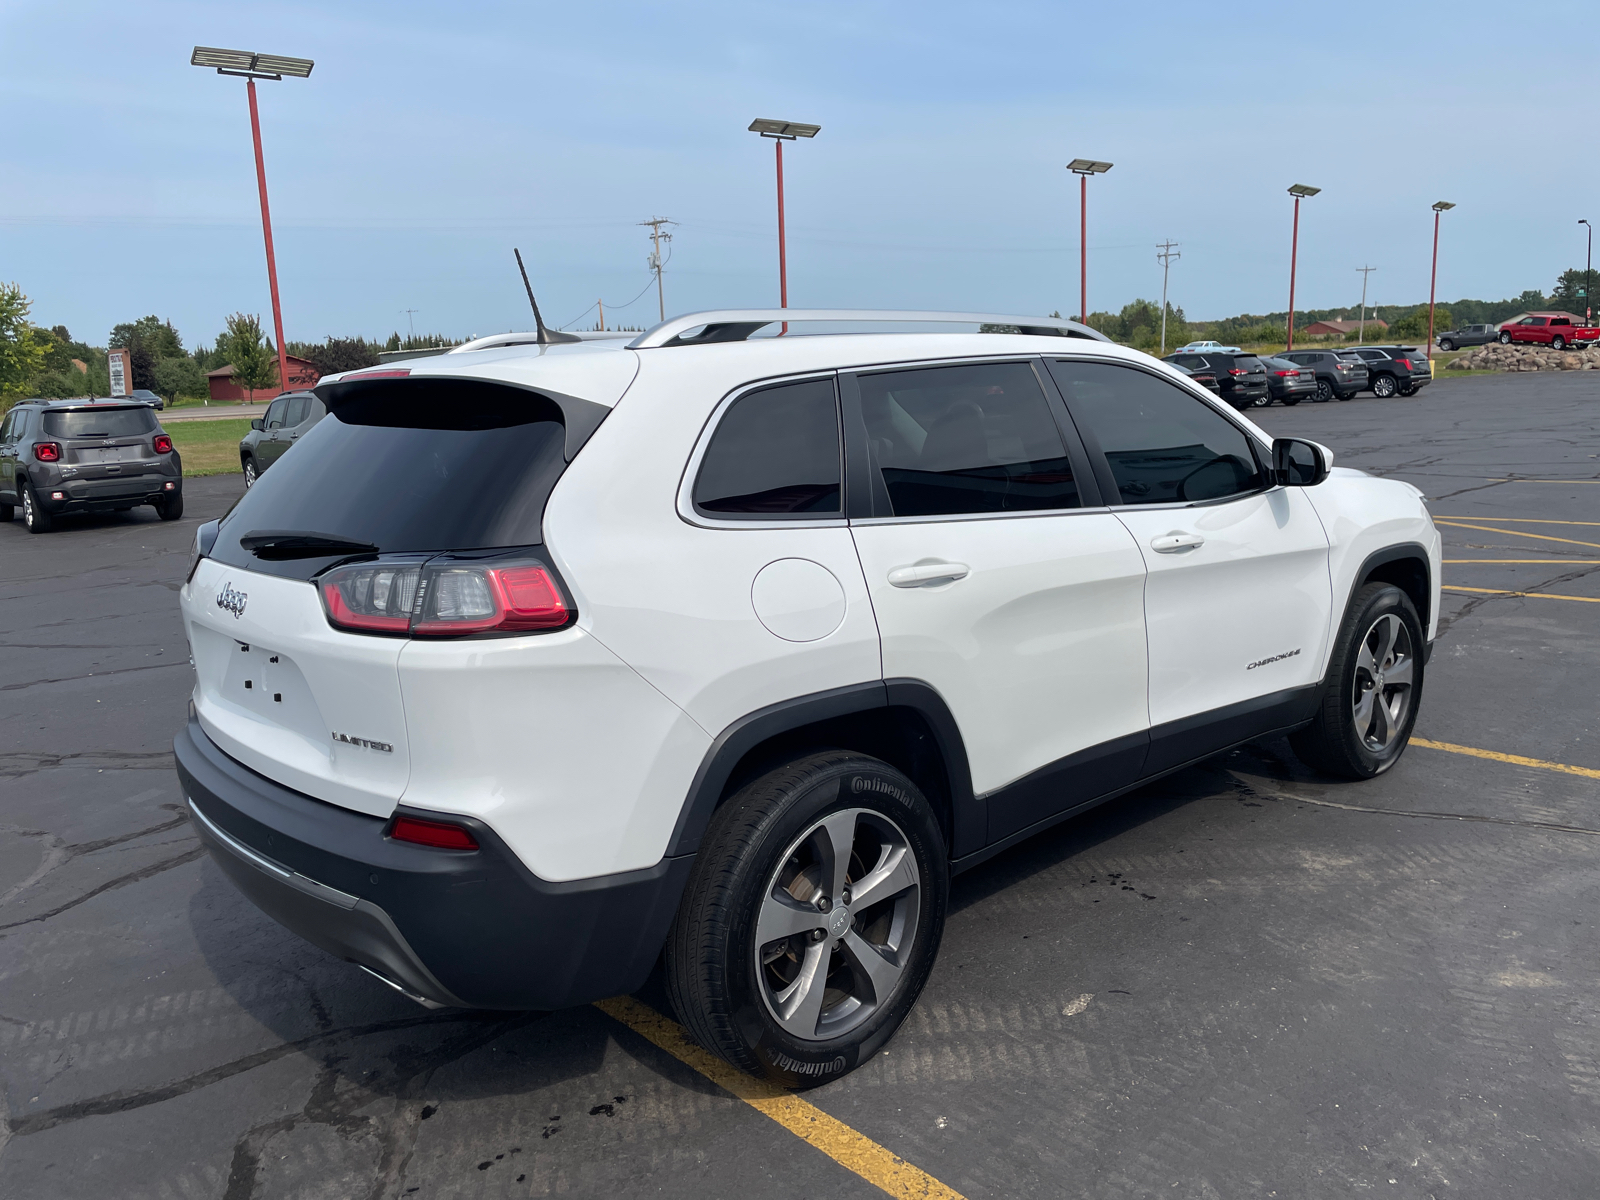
[[1240, 981]]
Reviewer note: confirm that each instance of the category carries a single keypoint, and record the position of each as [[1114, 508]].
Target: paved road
[[1241, 981], [211, 412]]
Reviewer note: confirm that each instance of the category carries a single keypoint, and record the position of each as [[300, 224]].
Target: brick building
[[302, 375]]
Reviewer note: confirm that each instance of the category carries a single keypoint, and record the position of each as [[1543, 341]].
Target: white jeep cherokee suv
[[535, 661]]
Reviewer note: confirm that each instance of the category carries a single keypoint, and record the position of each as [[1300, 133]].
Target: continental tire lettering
[[859, 785], [784, 1063], [1261, 662]]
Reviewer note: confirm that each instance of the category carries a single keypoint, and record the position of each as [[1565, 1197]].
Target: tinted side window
[[296, 412], [8, 428], [776, 453], [967, 439], [1162, 444], [274, 417]]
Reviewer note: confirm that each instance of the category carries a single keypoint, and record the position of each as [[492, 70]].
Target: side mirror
[[257, 424], [1297, 462]]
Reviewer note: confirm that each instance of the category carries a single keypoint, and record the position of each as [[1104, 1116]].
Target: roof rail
[[531, 338], [737, 324]]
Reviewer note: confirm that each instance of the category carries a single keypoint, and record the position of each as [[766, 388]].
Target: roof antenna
[[546, 337]]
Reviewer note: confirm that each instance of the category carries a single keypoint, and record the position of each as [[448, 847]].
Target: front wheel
[[250, 473], [811, 919], [1290, 401], [1262, 401], [1383, 386], [1446, 344], [1374, 686], [1505, 339]]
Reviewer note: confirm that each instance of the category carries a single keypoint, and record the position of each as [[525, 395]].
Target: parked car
[[1392, 369], [1340, 374], [149, 397], [1241, 378], [1208, 348], [1558, 332], [287, 419], [1286, 382], [1468, 335], [70, 456], [728, 671], [1205, 378]]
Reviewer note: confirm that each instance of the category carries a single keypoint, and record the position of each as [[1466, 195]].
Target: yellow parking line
[[1543, 537], [1582, 562], [1450, 587], [1515, 759], [1518, 520], [805, 1120]]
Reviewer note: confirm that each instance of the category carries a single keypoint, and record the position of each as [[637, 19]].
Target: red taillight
[[438, 834], [1237, 371], [47, 451], [1287, 374], [163, 444], [441, 601], [477, 599]]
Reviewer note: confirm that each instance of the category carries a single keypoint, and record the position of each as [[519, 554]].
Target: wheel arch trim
[[1399, 552]]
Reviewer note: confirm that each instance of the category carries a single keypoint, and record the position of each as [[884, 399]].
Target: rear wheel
[[1383, 386], [1558, 342], [1373, 689], [170, 508], [811, 919], [34, 516], [1324, 390]]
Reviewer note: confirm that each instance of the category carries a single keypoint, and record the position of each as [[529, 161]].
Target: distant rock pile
[[1496, 357]]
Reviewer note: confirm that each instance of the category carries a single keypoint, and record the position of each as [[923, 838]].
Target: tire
[[1384, 386], [1262, 401], [1408, 390], [1347, 395], [170, 508], [251, 472], [774, 840], [1324, 390], [1446, 344], [1290, 401], [1505, 339], [1558, 342], [33, 516], [1380, 649]]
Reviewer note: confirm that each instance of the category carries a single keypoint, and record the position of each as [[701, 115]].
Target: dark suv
[[1241, 378], [1340, 373], [1392, 369], [286, 419], [66, 456]]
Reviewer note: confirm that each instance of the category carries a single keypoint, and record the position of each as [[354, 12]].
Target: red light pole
[[252, 66], [1443, 206], [1299, 191], [1083, 168], [781, 132]]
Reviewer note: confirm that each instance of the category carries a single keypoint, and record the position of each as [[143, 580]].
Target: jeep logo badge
[[229, 600]]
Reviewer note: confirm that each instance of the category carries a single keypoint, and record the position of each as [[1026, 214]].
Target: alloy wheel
[[837, 922], [1324, 390], [249, 474], [1381, 699]]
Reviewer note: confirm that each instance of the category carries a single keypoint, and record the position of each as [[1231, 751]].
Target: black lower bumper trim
[[473, 929]]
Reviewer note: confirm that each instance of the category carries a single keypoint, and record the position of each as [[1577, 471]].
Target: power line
[[1164, 255]]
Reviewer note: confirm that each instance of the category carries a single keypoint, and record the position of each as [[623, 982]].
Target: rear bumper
[[97, 495], [471, 929]]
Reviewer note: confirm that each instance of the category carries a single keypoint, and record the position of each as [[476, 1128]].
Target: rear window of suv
[[105, 422], [417, 467]]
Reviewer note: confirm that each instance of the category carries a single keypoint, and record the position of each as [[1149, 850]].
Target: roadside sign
[[121, 365]]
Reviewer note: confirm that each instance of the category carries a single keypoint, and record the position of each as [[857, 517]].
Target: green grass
[[208, 447]]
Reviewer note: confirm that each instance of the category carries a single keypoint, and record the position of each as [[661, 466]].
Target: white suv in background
[[537, 660]]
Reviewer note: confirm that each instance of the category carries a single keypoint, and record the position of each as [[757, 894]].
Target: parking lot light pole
[[1299, 191], [781, 132], [1443, 206], [251, 66], [1588, 277], [1083, 168]]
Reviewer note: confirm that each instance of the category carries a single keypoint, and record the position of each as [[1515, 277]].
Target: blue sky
[[432, 138]]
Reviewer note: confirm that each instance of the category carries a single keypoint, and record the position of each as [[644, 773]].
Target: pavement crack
[[1545, 826], [17, 687], [121, 881]]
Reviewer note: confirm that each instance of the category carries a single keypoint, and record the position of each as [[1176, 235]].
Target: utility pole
[[602, 305], [410, 324], [657, 236], [1164, 255], [1361, 333]]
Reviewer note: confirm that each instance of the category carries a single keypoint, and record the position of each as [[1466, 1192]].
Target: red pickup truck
[[1550, 329]]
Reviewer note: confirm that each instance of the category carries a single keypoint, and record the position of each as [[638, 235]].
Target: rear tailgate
[[291, 697]]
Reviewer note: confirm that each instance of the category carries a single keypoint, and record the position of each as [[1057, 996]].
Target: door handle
[[1171, 543], [928, 573]]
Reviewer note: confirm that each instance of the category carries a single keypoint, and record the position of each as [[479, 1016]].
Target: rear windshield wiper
[[299, 543]]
